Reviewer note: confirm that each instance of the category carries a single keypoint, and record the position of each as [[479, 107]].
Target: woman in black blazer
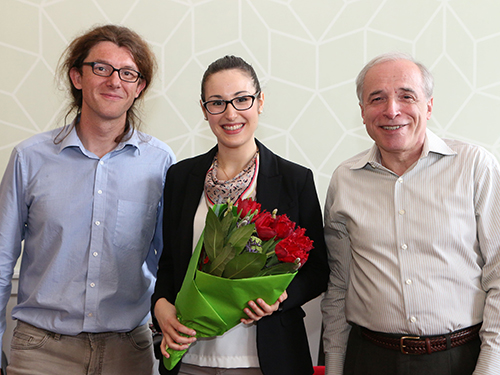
[[231, 90]]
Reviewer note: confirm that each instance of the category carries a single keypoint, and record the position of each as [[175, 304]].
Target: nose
[[392, 108], [230, 113], [114, 79]]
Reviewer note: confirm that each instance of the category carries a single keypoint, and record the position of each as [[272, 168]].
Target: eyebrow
[[409, 89], [123, 67], [239, 93], [374, 93], [405, 89]]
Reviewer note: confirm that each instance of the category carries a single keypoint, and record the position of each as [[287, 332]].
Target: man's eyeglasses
[[106, 70], [240, 103]]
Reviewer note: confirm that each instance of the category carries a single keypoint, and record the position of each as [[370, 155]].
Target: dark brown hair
[[226, 63]]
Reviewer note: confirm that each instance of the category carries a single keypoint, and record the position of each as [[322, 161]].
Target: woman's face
[[233, 128]]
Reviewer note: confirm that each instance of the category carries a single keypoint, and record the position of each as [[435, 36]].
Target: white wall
[[306, 52]]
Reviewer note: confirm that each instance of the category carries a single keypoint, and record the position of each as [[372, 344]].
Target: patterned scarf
[[241, 186]]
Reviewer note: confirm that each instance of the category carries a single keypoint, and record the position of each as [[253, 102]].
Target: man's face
[[107, 98], [395, 109]]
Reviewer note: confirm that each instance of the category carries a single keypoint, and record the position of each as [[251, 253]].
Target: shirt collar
[[432, 143], [72, 140]]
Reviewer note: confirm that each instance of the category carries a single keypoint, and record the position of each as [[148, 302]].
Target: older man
[[413, 231], [87, 201]]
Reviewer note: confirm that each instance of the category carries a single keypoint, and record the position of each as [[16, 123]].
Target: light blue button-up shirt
[[92, 231]]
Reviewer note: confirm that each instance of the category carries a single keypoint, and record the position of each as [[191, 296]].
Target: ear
[[362, 112], [261, 102], [76, 78], [205, 113], [430, 104], [140, 87]]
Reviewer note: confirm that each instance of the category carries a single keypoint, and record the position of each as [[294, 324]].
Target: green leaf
[[269, 245], [244, 265], [217, 266], [214, 236], [278, 269], [240, 236], [236, 218], [272, 260], [226, 221], [219, 209]]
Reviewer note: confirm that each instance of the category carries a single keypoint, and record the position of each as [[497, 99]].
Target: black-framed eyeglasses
[[106, 70], [240, 103]]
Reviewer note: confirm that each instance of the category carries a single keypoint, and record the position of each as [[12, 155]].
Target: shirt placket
[[96, 244], [404, 250]]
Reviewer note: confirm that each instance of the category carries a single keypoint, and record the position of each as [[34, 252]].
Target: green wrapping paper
[[212, 305]]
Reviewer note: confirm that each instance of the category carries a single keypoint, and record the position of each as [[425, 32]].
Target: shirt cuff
[[334, 363]]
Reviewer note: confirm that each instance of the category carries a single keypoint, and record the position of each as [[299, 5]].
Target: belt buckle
[[403, 346]]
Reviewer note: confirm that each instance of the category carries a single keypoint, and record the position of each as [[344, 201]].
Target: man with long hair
[[86, 199]]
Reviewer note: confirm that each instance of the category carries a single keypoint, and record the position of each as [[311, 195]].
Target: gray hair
[[427, 80]]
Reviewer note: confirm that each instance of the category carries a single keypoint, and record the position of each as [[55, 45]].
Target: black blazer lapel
[[194, 182], [269, 180]]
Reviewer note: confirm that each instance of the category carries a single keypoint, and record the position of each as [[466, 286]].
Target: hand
[[262, 309], [166, 315]]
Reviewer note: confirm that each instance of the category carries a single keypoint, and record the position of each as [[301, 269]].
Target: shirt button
[[90, 315], [97, 223], [408, 282], [404, 246], [402, 212], [400, 180], [92, 285], [101, 162], [413, 319], [95, 253], [99, 191]]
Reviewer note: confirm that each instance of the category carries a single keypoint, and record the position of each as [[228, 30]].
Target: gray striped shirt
[[415, 254]]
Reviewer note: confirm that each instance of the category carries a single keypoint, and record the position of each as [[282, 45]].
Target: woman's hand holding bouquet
[[244, 259]]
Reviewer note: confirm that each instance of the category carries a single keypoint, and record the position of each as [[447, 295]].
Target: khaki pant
[[40, 352], [198, 370]]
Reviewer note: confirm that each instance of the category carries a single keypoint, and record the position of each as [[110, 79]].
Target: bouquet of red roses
[[243, 254]]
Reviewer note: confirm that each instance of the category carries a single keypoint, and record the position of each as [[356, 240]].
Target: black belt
[[408, 344]]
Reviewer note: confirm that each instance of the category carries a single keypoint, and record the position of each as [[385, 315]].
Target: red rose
[[264, 225], [295, 246], [246, 207], [283, 226]]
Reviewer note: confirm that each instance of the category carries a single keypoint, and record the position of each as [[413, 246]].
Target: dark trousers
[[366, 358]]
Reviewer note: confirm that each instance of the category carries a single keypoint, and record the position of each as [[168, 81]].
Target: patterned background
[[306, 52]]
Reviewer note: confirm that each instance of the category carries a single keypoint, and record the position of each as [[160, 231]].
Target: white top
[[235, 348]]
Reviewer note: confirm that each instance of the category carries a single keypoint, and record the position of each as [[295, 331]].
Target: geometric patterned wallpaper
[[306, 53]]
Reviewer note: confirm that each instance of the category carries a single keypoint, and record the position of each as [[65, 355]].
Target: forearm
[[335, 325], [312, 278], [489, 357], [335, 329], [488, 362]]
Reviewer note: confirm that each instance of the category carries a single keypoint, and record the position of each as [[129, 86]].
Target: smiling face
[[106, 99], [395, 109], [233, 129]]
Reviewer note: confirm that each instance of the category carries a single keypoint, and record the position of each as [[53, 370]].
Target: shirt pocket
[[135, 225]]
